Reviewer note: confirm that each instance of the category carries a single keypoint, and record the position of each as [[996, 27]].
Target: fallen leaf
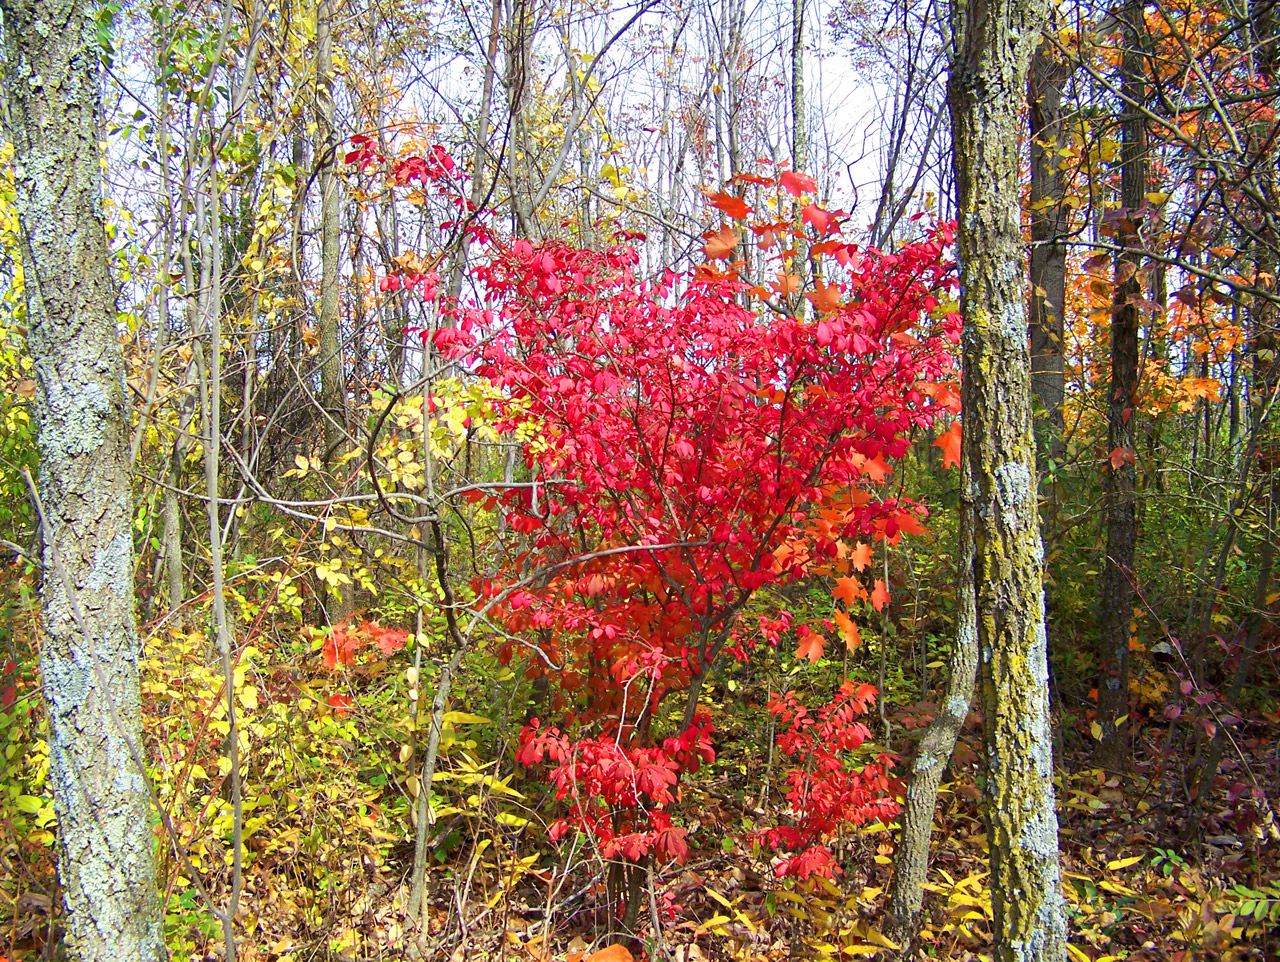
[[614, 953]]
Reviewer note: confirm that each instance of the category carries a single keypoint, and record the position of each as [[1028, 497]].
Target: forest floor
[[329, 840]]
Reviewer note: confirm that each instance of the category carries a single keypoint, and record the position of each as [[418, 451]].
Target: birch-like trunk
[[89, 656], [333, 391]]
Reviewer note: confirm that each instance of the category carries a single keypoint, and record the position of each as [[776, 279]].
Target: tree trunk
[[332, 382], [1050, 223], [1119, 472], [89, 657], [993, 43], [799, 114], [911, 863], [171, 538]]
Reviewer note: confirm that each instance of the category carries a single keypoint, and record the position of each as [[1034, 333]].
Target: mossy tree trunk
[[993, 43], [89, 655]]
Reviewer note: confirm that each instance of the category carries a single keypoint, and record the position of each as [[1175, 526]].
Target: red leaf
[[860, 557], [822, 221], [1120, 457], [796, 184], [732, 205], [848, 630], [340, 704], [879, 595]]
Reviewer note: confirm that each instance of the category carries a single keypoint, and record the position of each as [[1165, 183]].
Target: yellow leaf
[[1123, 862], [1076, 953], [463, 718], [1096, 731], [720, 898]]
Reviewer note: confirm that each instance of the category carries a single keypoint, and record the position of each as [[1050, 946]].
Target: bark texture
[[1119, 474], [1050, 223], [89, 657], [993, 44]]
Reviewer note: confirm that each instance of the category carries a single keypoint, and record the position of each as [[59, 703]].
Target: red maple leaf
[[849, 590], [732, 205], [860, 557], [823, 221], [810, 646], [848, 630], [796, 184]]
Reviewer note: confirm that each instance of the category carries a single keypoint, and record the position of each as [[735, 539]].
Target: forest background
[[542, 436]]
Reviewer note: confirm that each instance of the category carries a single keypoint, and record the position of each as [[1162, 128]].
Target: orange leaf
[[908, 523], [942, 392], [848, 630], [720, 244], [1119, 457], [879, 595], [731, 204], [824, 297], [861, 556], [949, 442], [810, 646], [876, 469], [614, 953], [786, 284], [849, 590]]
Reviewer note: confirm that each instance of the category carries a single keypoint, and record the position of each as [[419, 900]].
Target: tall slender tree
[[1119, 474], [1050, 221], [89, 656], [993, 43]]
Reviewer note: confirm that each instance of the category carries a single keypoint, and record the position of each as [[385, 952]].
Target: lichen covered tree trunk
[[993, 44], [89, 656]]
